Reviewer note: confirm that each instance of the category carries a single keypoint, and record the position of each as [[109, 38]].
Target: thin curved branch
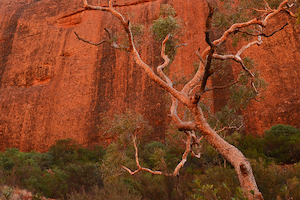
[[110, 41], [207, 73], [229, 127], [224, 86], [184, 155], [268, 7], [166, 63], [263, 34], [138, 164], [200, 57], [177, 168], [180, 45], [263, 11], [86, 41], [280, 8], [173, 109]]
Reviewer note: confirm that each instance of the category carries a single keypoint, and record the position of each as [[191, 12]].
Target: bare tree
[[192, 92]]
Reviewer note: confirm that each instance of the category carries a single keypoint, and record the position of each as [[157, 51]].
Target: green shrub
[[83, 176], [282, 143], [65, 168], [64, 151], [216, 183], [113, 191], [275, 181]]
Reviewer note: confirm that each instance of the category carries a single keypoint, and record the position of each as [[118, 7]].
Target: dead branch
[[180, 45], [200, 57], [166, 62], [229, 127], [262, 34], [185, 154], [207, 73], [237, 58], [173, 109], [110, 41], [86, 41], [268, 7], [223, 87], [177, 168], [263, 11], [280, 8]]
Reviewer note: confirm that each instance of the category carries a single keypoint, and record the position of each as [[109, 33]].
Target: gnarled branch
[[263, 34], [110, 41], [188, 149]]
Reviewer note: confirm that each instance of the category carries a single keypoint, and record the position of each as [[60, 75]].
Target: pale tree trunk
[[192, 92], [231, 154]]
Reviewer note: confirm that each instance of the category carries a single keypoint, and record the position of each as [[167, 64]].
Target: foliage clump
[[65, 167], [166, 24], [279, 144]]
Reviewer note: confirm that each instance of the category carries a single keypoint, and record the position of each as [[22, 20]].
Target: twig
[[263, 34], [177, 168], [96, 44]]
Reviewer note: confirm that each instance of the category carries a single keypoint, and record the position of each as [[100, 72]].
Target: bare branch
[[280, 8], [88, 6], [178, 95], [138, 164], [208, 26], [200, 57], [268, 7], [207, 73], [185, 154], [224, 86], [180, 45], [177, 168], [167, 61], [180, 125], [263, 34], [238, 59], [198, 76], [229, 127], [263, 11], [96, 44], [110, 41]]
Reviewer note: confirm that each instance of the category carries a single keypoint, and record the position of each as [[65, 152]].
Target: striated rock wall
[[53, 86], [278, 61]]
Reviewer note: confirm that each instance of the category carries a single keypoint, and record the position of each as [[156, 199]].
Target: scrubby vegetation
[[70, 171]]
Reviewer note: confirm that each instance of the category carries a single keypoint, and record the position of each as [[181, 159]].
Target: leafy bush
[[277, 182], [282, 143], [65, 168]]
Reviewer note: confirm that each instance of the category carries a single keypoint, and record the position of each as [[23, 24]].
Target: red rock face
[[53, 86], [278, 62]]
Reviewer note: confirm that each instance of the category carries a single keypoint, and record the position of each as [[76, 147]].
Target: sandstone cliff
[[54, 86]]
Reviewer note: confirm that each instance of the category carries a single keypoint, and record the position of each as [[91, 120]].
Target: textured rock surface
[[278, 62], [54, 86]]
